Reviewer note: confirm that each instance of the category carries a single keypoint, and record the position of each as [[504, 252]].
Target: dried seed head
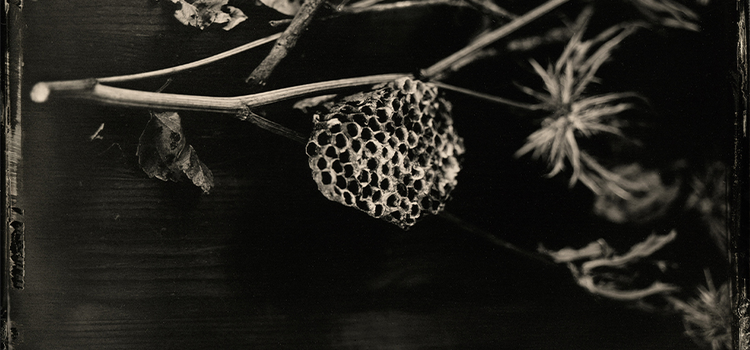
[[391, 152]]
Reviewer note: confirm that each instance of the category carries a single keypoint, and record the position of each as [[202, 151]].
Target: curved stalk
[[191, 65], [92, 89], [488, 97]]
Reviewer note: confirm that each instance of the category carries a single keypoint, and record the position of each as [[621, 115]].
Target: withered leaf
[[164, 153], [202, 13], [287, 7], [308, 104]]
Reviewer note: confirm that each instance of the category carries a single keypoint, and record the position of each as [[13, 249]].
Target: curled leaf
[[287, 7], [599, 270], [595, 249], [163, 152], [637, 252], [202, 13]]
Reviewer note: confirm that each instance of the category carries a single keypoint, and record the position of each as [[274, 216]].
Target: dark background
[[116, 260]]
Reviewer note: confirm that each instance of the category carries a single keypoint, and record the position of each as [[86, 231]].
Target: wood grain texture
[[116, 260]]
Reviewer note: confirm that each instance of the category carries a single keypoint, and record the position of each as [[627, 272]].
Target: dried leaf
[[615, 293], [287, 7], [641, 250], [163, 152], [593, 250], [613, 281], [202, 13]]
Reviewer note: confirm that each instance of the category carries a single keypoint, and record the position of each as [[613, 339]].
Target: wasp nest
[[391, 152]]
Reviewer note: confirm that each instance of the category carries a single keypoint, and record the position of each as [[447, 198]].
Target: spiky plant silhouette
[[574, 114]]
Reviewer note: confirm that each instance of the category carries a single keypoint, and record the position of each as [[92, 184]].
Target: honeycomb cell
[[312, 149], [412, 138], [341, 182], [385, 169], [366, 192], [348, 170], [393, 142], [324, 139], [391, 152], [353, 186], [341, 141], [360, 118], [356, 146], [348, 198], [331, 152], [385, 185], [367, 110], [366, 133], [393, 201], [364, 205], [325, 178], [372, 147], [345, 156], [373, 124], [336, 166], [364, 176]]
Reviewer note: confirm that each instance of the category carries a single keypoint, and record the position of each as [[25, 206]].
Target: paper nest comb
[[391, 152]]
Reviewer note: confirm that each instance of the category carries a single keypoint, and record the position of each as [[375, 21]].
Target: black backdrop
[[117, 260]]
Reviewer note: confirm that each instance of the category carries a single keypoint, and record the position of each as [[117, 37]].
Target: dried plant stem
[[191, 65], [491, 98], [490, 37], [285, 43], [400, 5], [489, 8], [494, 239], [365, 3], [91, 89], [273, 127]]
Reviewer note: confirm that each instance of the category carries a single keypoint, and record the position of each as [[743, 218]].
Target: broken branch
[[285, 43]]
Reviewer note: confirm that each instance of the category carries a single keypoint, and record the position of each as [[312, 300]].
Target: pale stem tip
[[40, 92]]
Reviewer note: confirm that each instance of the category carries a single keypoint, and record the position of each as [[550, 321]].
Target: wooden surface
[[115, 260]]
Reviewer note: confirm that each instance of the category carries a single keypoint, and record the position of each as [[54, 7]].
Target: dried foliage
[[709, 199], [163, 152], [652, 202], [203, 13], [599, 270], [668, 13], [573, 114], [708, 318], [287, 7]]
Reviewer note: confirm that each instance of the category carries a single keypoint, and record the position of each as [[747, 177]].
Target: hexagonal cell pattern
[[391, 152]]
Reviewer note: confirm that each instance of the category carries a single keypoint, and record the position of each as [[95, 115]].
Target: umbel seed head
[[391, 152]]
